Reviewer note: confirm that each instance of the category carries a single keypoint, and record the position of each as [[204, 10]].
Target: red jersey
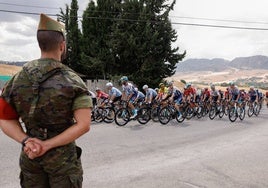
[[206, 93], [102, 95], [189, 91]]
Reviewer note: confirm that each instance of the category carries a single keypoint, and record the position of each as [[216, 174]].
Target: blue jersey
[[115, 92], [140, 95], [177, 95], [151, 93]]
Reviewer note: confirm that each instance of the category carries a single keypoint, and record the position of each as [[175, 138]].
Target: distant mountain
[[218, 65], [17, 63], [214, 65], [253, 62]]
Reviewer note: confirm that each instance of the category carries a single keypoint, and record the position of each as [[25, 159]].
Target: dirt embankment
[[9, 70], [205, 78]]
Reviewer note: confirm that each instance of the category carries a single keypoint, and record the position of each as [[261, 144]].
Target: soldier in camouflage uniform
[[54, 104]]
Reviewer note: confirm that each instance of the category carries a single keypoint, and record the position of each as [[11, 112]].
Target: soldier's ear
[[62, 46]]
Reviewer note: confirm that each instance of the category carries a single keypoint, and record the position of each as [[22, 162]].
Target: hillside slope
[[9, 70]]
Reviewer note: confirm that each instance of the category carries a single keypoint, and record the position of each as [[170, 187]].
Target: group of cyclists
[[170, 93]]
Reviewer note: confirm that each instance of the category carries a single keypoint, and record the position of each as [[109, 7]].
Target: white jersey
[[129, 89]]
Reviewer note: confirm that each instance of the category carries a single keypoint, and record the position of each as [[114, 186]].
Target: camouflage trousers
[[58, 168]]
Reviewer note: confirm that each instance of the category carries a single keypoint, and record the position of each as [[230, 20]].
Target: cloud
[[18, 31], [209, 42]]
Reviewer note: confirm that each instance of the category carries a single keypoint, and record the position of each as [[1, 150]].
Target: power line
[[20, 5], [21, 12], [132, 20], [183, 17], [221, 26], [220, 20]]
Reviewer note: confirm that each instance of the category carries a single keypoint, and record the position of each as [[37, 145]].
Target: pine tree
[[130, 37], [64, 18], [97, 57], [73, 35], [142, 42], [74, 38]]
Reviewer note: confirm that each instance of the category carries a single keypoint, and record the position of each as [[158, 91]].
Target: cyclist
[[260, 95], [162, 92], [205, 95], [175, 96], [226, 94], [129, 94], [140, 97], [234, 93], [243, 95], [215, 97], [189, 92], [150, 94], [114, 93], [214, 94], [198, 94], [102, 97], [252, 94], [221, 93]]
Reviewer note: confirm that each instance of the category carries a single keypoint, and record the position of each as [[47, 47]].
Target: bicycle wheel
[[199, 112], [98, 112], [250, 111], [144, 115], [189, 113], [108, 115], [164, 115], [154, 114], [221, 111], [257, 109], [212, 112], [180, 118], [122, 117], [241, 112], [232, 114]]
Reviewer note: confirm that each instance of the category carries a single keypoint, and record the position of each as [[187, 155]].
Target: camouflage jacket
[[45, 93]]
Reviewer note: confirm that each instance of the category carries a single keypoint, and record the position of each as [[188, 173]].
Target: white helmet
[[212, 86], [145, 87], [109, 84]]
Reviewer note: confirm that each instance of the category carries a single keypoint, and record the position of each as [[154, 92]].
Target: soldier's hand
[[32, 149], [43, 147]]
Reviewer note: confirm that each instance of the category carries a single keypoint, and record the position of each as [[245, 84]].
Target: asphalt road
[[195, 154]]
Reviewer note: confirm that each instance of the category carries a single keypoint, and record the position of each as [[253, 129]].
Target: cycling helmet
[[170, 83], [251, 87], [161, 84], [109, 84], [232, 83], [97, 89], [145, 87], [156, 89], [212, 86], [124, 78], [187, 85]]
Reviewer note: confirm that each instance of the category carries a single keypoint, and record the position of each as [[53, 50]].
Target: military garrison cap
[[48, 24]]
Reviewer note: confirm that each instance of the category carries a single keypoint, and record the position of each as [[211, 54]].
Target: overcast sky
[[18, 31]]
